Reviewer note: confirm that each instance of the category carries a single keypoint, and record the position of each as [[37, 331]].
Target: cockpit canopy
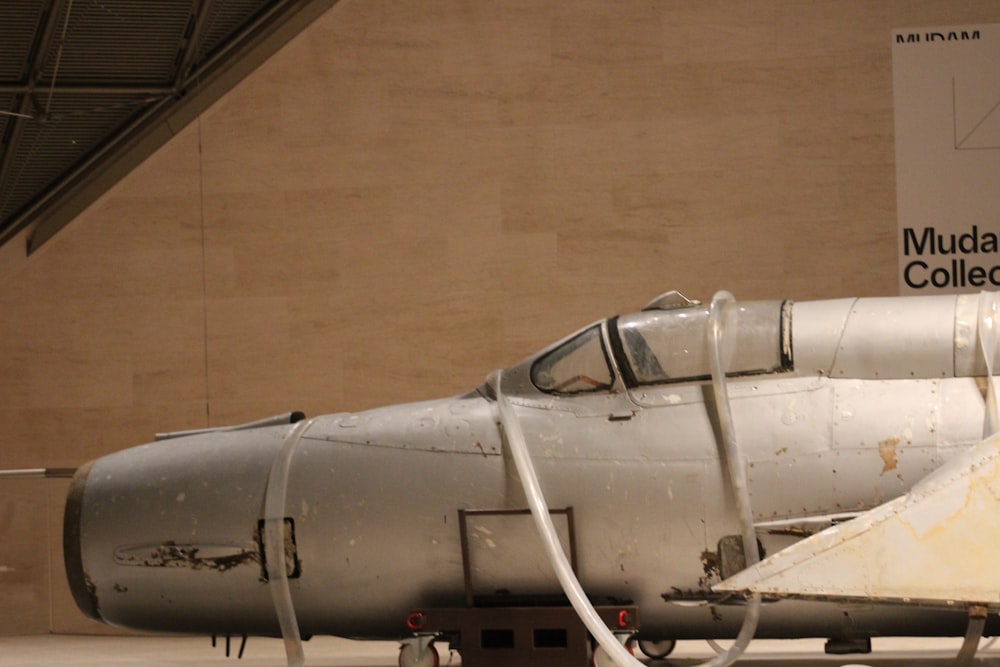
[[665, 343]]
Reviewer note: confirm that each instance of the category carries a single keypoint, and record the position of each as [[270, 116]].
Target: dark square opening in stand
[[550, 638], [493, 639]]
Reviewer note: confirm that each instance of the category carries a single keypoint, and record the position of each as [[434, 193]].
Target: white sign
[[946, 87]]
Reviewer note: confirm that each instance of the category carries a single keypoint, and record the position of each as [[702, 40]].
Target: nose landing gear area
[[419, 653], [657, 649]]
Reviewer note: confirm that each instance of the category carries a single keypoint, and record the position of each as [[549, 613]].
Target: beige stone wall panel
[[409, 195]]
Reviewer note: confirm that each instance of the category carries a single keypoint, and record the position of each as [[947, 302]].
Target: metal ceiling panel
[[117, 41], [225, 17], [47, 149], [6, 102], [20, 23], [89, 88]]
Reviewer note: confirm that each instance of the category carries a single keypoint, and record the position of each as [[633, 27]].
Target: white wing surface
[[935, 546]]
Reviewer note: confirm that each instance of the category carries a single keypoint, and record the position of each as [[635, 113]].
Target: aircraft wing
[[935, 546]]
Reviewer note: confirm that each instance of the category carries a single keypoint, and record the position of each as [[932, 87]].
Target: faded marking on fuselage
[[170, 554]]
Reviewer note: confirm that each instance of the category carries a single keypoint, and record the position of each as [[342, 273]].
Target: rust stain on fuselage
[[887, 450], [710, 563], [712, 567]]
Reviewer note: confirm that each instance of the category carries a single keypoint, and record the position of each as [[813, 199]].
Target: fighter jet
[[623, 469]]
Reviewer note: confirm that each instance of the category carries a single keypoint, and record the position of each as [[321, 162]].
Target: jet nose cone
[[79, 583]]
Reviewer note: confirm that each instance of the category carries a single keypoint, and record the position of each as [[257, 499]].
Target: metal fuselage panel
[[166, 534], [148, 521]]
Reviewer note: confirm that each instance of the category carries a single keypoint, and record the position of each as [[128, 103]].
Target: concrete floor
[[94, 651]]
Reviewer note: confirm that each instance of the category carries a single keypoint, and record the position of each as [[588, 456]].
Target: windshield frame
[[562, 350]]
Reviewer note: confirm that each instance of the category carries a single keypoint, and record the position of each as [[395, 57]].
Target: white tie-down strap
[[989, 312], [736, 466], [514, 437], [274, 543], [550, 539]]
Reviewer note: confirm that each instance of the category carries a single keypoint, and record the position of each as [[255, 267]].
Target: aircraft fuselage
[[401, 507]]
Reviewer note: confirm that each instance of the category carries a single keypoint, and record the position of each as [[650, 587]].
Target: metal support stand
[[973, 633], [512, 630], [543, 636]]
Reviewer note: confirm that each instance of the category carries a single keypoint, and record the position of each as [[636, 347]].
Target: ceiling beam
[[190, 51], [84, 89]]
